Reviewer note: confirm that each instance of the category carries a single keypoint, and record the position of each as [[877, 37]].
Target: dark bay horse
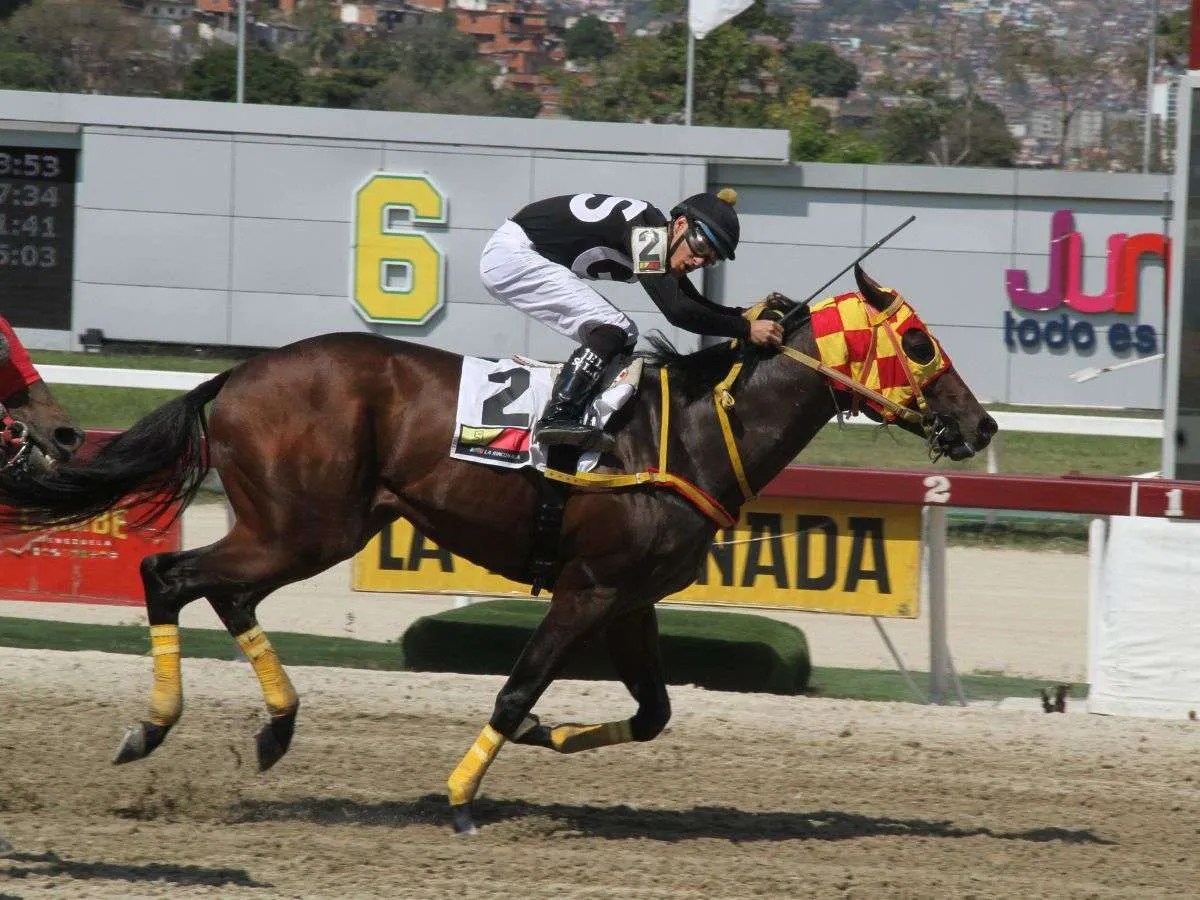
[[35, 433], [323, 443]]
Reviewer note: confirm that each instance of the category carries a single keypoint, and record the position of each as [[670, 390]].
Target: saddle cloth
[[499, 400]]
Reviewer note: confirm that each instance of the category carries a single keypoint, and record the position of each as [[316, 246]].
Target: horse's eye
[[919, 346]]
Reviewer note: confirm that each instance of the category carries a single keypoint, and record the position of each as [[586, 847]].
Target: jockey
[[537, 262]]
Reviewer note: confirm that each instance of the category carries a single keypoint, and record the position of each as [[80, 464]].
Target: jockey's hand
[[766, 333]]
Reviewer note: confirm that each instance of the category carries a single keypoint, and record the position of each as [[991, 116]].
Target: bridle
[[15, 445], [941, 432]]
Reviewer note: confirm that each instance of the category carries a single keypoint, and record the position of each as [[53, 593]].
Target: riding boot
[[576, 385]]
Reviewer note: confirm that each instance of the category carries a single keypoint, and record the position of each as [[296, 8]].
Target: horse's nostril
[[68, 438], [987, 428]]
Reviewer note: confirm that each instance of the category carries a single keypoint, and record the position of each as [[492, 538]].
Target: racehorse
[[35, 433], [324, 442]]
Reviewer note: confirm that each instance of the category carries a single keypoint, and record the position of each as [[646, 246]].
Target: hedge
[[723, 651]]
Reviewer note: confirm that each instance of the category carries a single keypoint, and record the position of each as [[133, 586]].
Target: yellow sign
[[855, 558], [399, 274]]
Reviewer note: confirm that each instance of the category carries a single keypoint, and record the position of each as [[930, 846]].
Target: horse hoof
[[463, 825], [139, 742], [274, 740]]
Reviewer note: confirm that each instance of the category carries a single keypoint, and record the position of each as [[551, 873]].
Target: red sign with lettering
[[96, 562]]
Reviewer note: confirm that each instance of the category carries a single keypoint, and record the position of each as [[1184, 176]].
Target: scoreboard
[[37, 234]]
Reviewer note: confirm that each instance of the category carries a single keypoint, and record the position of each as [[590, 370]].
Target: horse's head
[[876, 340], [35, 433]]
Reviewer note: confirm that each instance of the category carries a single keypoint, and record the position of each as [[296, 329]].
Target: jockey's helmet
[[713, 216]]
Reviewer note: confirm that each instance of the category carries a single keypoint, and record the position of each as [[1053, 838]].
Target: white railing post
[[935, 542]]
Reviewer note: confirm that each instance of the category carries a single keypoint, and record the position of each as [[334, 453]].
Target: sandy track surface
[[743, 795]]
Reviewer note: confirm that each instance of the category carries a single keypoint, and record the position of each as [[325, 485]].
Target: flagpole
[[691, 65]]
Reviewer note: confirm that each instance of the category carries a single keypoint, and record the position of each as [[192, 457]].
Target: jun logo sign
[[1064, 288]]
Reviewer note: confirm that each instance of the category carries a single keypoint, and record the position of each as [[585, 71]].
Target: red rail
[[945, 487]]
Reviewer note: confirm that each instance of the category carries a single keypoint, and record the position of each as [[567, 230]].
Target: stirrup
[[573, 434]]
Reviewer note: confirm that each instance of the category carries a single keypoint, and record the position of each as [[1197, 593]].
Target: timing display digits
[[37, 226]]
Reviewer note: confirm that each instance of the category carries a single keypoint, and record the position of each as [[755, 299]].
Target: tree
[[8, 7], [85, 46], [644, 80], [589, 38], [430, 52], [268, 78], [432, 67], [1171, 46], [1068, 72], [933, 128], [468, 95], [819, 68], [325, 36]]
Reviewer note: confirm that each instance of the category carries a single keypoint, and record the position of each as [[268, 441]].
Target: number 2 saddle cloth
[[499, 400]]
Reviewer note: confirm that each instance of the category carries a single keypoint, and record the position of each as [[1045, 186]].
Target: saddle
[[499, 400]]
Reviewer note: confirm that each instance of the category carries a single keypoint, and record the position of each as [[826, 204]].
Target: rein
[[657, 477], [723, 401]]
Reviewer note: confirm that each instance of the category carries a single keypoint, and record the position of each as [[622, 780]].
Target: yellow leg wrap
[[166, 697], [276, 686], [573, 738], [464, 780]]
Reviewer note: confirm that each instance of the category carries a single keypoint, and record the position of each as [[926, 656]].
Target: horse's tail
[[160, 461]]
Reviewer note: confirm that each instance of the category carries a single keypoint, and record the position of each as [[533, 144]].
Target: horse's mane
[[696, 374]]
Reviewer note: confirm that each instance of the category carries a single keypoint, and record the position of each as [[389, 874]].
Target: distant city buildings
[[524, 41]]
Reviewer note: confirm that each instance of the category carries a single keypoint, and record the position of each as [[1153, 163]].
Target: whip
[[875, 246]]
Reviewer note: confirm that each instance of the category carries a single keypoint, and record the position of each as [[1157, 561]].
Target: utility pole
[[241, 51], [1151, 60]]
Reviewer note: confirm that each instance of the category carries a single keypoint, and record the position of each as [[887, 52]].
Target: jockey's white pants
[[516, 274]]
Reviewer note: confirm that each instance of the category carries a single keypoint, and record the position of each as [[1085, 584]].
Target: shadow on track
[[619, 822], [28, 865]]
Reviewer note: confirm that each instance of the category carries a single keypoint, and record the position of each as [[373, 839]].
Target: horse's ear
[[872, 291]]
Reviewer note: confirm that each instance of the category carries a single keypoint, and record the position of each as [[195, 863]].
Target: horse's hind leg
[[633, 646], [570, 618], [167, 592], [171, 581], [236, 610]]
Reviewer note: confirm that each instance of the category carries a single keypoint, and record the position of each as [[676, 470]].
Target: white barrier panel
[[1145, 658]]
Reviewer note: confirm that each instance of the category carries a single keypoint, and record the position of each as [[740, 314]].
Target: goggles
[[699, 243]]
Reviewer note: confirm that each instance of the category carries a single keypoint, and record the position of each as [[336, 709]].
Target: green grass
[[132, 361], [316, 650], [105, 407], [202, 643], [1018, 452]]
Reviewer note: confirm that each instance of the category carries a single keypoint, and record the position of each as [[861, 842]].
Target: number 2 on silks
[[649, 250], [517, 383], [398, 275]]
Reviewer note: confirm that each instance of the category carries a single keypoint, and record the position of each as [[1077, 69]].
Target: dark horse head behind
[[321, 444], [35, 433]]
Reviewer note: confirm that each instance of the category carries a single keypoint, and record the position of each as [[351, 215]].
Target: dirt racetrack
[[743, 796]]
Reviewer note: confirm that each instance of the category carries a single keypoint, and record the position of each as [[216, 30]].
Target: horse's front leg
[[633, 646], [571, 617]]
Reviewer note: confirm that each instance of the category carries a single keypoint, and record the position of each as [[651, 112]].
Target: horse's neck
[[778, 409]]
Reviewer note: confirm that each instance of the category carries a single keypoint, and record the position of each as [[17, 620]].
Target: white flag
[[705, 15]]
